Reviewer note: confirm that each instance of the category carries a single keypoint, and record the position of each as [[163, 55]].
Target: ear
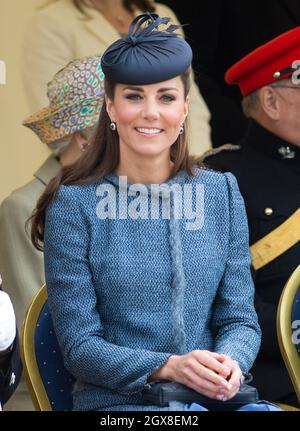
[[270, 102], [81, 141], [186, 107], [110, 108]]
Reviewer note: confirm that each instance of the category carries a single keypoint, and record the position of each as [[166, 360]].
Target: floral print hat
[[76, 95]]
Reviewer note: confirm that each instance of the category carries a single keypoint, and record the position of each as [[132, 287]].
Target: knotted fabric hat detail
[[147, 55], [76, 95]]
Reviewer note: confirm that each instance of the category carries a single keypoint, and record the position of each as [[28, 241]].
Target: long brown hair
[[101, 158], [143, 5]]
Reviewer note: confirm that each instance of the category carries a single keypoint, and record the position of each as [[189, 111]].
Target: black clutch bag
[[162, 392]]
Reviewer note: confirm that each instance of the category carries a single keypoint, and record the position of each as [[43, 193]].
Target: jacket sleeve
[[73, 305], [266, 311], [235, 319], [21, 265]]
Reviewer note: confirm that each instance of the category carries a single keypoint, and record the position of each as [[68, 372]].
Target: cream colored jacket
[[58, 33], [21, 265]]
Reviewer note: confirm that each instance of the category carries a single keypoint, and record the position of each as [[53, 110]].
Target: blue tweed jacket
[[125, 292]]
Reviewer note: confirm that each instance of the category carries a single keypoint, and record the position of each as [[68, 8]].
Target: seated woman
[[146, 252]]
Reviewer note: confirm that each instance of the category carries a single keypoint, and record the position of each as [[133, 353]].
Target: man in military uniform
[[220, 33], [267, 167], [10, 362]]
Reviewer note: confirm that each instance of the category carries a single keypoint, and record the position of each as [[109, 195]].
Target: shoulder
[[219, 152], [71, 193], [70, 214], [226, 158], [23, 199], [214, 179], [220, 192], [54, 9], [78, 198], [54, 14]]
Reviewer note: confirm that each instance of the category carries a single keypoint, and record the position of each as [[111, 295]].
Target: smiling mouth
[[148, 131]]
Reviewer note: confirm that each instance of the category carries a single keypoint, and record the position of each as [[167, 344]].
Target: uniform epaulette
[[214, 151]]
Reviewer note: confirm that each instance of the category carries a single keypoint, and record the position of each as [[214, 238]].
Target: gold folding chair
[[49, 383], [288, 320]]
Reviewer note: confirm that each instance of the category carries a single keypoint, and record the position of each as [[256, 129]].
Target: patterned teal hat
[[76, 96]]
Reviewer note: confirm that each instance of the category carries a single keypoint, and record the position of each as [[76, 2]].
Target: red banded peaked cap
[[269, 63]]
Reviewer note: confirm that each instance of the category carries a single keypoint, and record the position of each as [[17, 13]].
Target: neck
[[149, 171], [104, 4], [116, 14], [70, 154], [277, 128]]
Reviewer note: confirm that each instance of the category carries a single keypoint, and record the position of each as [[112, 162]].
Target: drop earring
[[113, 126]]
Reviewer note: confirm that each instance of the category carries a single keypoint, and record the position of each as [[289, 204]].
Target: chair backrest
[[50, 384], [288, 328]]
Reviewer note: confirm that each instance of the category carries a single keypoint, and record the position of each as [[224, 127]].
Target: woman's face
[[148, 117]]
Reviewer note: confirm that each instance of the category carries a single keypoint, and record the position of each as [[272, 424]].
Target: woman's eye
[[167, 98], [133, 96]]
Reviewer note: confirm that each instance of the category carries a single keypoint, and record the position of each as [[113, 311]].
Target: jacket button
[[269, 211]]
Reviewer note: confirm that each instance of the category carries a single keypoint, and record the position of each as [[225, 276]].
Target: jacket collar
[[147, 189], [271, 145], [48, 170]]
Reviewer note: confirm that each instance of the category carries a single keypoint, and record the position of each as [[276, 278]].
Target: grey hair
[[57, 147], [250, 103]]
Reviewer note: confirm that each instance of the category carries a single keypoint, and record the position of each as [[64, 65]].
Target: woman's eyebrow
[[161, 90], [133, 89], [167, 89]]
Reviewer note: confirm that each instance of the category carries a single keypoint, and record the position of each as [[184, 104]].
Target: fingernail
[[229, 386]]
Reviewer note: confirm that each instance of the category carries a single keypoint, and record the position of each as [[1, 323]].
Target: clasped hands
[[212, 374]]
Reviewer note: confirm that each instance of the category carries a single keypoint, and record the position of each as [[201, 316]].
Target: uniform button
[[269, 211]]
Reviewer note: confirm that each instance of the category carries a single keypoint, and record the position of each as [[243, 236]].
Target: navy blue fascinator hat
[[147, 55]]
